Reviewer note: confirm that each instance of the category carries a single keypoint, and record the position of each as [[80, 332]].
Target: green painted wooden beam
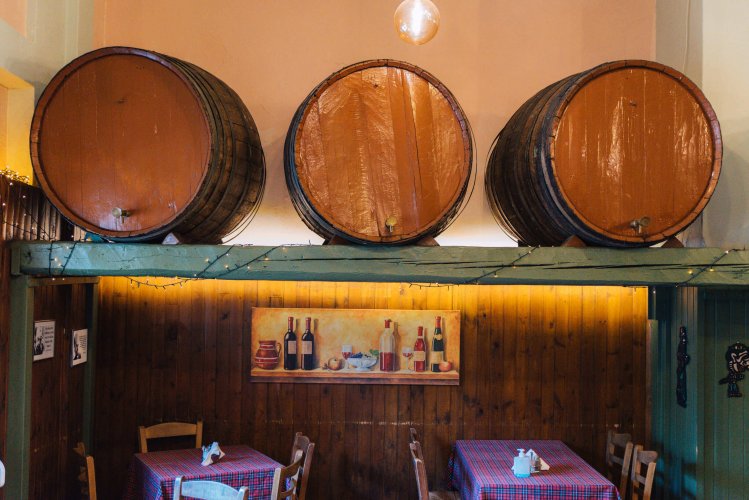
[[443, 265], [19, 388]]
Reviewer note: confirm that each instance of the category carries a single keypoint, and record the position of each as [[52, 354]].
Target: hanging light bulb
[[417, 21]]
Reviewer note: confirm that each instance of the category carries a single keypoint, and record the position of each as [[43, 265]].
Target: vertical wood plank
[[429, 435], [252, 394], [522, 376], [209, 372], [613, 359], [171, 328], [509, 407], [548, 371], [483, 362], [559, 376], [179, 317]]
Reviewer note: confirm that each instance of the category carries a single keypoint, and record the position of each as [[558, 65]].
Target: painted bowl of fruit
[[362, 362]]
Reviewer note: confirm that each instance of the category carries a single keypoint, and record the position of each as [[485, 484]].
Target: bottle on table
[[308, 346], [289, 347], [438, 346], [522, 464], [387, 349]]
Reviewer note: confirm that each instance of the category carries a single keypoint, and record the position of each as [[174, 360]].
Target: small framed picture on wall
[[79, 347], [44, 339]]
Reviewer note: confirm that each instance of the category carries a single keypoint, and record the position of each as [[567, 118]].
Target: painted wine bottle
[[420, 352], [387, 349], [308, 346], [438, 346], [289, 347]]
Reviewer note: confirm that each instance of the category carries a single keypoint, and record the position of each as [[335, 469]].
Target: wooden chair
[[302, 444], [208, 490], [421, 478], [414, 437], [87, 473], [642, 485], [287, 477], [618, 459], [170, 429]]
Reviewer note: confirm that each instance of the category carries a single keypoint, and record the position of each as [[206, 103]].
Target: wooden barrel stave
[[228, 201], [511, 195]]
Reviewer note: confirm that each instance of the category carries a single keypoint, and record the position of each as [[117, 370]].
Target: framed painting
[[370, 346]]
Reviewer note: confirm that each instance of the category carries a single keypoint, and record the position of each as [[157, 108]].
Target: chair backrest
[[170, 429], [303, 444], [420, 470], [208, 490], [86, 472], [413, 435], [642, 482], [287, 477], [618, 459]]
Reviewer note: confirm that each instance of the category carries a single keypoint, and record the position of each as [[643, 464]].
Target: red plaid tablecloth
[[152, 475], [481, 470]]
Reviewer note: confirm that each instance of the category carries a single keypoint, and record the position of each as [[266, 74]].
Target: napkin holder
[[211, 454], [537, 463]]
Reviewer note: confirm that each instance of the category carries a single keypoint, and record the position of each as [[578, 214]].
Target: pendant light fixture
[[416, 21]]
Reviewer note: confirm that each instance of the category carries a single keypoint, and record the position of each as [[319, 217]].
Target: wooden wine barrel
[[378, 153], [132, 145], [625, 154]]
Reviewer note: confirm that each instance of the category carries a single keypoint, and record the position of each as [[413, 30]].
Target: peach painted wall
[[56, 32], [492, 54], [13, 12], [725, 80]]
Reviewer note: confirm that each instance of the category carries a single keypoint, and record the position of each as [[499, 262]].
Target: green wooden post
[[696, 375], [19, 388]]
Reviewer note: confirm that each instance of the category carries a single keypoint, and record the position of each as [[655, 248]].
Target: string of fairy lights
[[209, 263], [222, 266], [14, 177]]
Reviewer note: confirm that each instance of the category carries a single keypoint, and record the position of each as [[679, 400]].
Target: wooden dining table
[[151, 475], [482, 470]]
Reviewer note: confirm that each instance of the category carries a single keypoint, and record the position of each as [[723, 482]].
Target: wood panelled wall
[[25, 214], [723, 468], [57, 396], [538, 362], [704, 448], [4, 340]]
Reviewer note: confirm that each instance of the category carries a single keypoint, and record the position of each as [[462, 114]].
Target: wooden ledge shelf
[[319, 376], [412, 264]]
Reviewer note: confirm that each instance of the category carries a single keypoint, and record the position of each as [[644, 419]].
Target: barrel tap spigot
[[639, 224], [390, 223], [120, 213]]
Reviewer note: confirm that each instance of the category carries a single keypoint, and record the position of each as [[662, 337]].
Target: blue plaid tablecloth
[[152, 475], [482, 470]]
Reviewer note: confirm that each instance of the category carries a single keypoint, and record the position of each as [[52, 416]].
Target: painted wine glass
[[407, 352], [346, 351]]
